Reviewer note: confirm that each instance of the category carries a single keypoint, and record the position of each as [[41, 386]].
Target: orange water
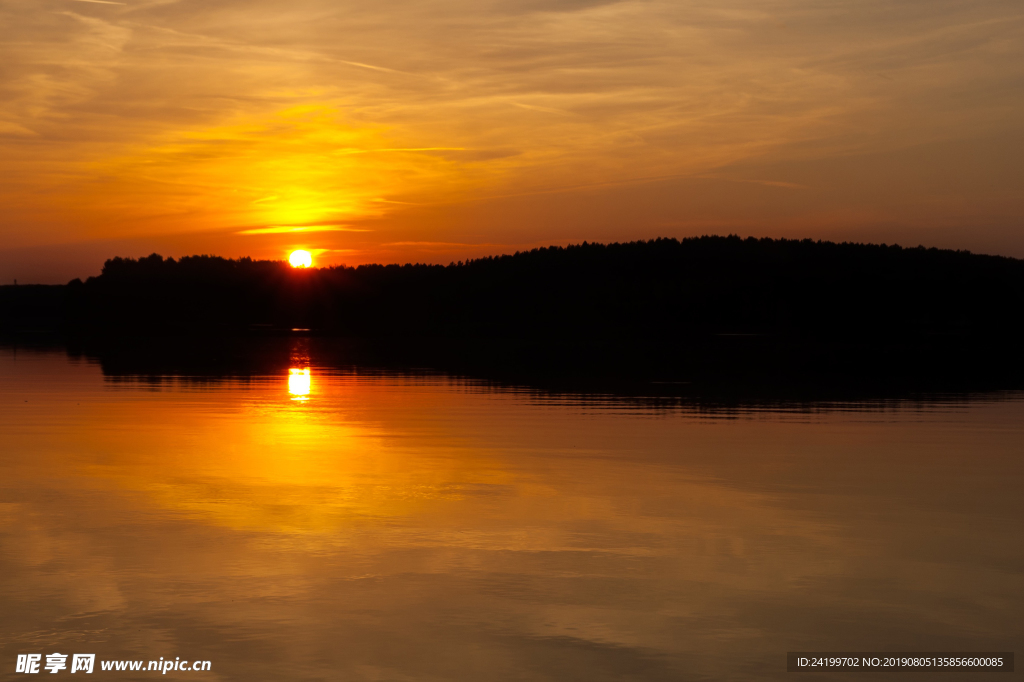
[[325, 525]]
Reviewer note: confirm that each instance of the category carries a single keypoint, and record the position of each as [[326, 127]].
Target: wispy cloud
[[766, 183], [546, 110], [7, 128], [372, 67], [400, 149], [468, 123], [427, 244], [289, 229]]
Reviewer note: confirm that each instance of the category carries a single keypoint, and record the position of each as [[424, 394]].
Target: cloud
[[159, 119], [289, 229], [7, 128]]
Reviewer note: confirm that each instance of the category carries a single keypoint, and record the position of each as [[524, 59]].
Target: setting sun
[[300, 259]]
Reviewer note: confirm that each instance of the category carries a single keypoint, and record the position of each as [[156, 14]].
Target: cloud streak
[[156, 119], [292, 229]]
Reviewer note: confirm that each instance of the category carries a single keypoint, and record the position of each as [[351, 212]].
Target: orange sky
[[400, 131]]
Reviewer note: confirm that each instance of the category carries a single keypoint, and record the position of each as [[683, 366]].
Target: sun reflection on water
[[299, 383]]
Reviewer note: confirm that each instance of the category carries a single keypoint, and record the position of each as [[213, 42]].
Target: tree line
[[657, 289]]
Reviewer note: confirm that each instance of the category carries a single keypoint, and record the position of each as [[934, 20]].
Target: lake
[[329, 523]]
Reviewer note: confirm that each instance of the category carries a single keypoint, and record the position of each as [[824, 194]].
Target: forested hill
[[659, 289]]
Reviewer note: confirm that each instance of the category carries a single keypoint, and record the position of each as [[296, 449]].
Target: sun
[[300, 259]]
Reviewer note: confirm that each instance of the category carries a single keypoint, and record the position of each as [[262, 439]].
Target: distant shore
[[680, 309]]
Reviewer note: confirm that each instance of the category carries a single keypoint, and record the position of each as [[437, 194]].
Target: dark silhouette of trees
[[659, 289], [706, 309]]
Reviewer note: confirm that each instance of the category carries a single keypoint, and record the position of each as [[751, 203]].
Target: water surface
[[331, 525]]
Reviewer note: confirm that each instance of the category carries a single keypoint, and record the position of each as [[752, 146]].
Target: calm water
[[332, 526]]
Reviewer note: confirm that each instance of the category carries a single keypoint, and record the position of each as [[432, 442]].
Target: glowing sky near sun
[[433, 131]]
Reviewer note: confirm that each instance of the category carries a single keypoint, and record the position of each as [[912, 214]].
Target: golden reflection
[[359, 454], [299, 383], [612, 526], [402, 513]]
